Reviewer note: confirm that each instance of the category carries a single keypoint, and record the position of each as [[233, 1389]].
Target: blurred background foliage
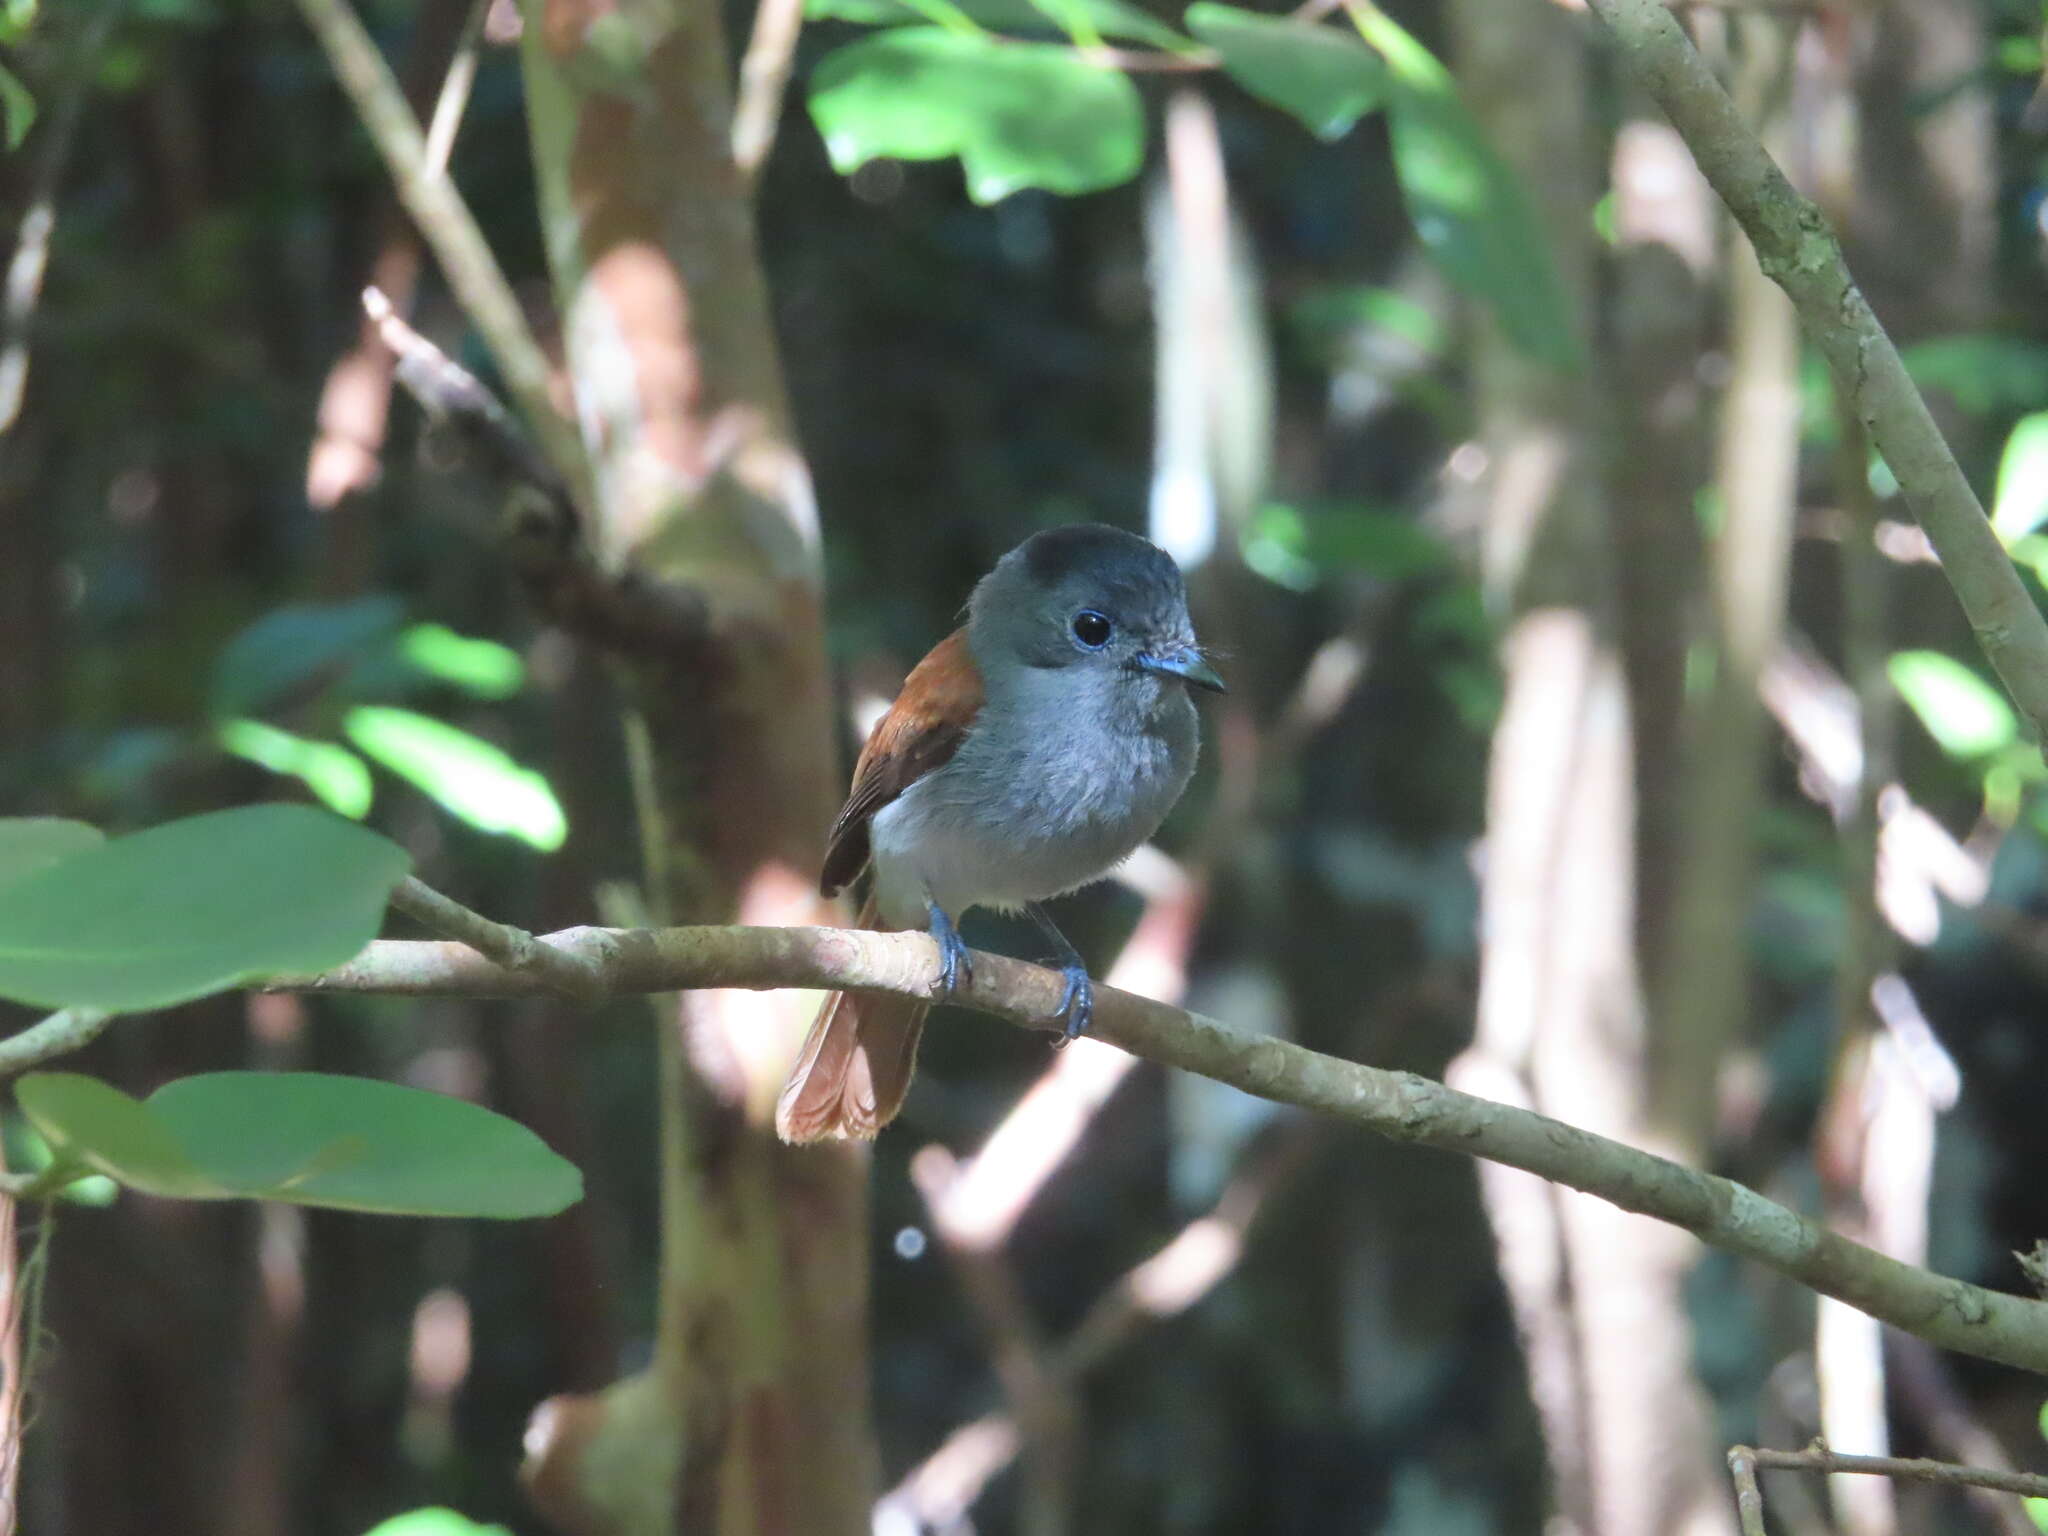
[[226, 576]]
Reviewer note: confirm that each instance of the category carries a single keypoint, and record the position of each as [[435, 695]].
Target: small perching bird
[[1027, 755]]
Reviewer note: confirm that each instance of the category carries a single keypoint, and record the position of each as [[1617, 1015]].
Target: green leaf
[[434, 1522], [1296, 547], [1109, 18], [336, 775], [2021, 504], [195, 906], [353, 1143], [1965, 715], [1983, 374], [1017, 114], [30, 843], [1469, 210], [289, 649], [308, 1138], [91, 1124], [2037, 1511], [473, 780], [17, 108], [1318, 75], [483, 668], [29, 1152]]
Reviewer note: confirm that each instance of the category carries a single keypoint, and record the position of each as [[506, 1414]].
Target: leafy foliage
[[305, 1138], [193, 906], [465, 774], [30, 843], [1967, 716], [1103, 18], [1470, 212], [336, 776], [1324, 79], [1017, 114]]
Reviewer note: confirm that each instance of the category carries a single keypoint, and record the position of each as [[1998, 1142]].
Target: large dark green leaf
[[1325, 79], [1017, 114], [290, 648], [348, 1143], [1108, 18], [1470, 211], [194, 906], [30, 843]]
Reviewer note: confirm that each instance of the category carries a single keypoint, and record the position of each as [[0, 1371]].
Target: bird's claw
[[956, 961], [1077, 1004]]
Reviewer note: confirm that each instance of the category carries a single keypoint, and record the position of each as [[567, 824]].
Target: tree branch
[[66, 1030], [448, 227], [1399, 1105], [1797, 249], [1818, 1458]]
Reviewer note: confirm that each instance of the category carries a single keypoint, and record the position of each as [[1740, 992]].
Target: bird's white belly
[[986, 832]]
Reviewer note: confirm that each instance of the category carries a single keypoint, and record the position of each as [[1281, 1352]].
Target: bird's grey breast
[[1039, 799]]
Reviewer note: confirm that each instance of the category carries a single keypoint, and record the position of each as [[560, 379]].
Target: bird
[[1027, 755]]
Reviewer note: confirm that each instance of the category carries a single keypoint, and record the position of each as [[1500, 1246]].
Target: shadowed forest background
[[1550, 585]]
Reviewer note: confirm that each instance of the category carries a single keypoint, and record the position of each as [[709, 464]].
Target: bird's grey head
[[1089, 601]]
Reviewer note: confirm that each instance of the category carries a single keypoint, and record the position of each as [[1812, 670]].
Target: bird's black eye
[[1092, 629]]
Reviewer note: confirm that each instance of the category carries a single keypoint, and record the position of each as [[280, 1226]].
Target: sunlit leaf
[[2021, 503], [336, 775], [30, 843], [28, 1151], [1109, 18], [289, 649], [1318, 75], [434, 1522], [308, 1138], [1965, 715], [1469, 210], [480, 667], [1017, 114], [194, 906], [2037, 1511], [17, 108], [470, 778]]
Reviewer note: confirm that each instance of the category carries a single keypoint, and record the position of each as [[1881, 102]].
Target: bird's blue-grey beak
[[1185, 664]]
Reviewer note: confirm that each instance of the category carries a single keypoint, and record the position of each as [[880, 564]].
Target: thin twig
[[561, 971], [449, 229], [24, 283], [455, 88], [1798, 250], [1400, 1105], [1818, 1458], [68, 1030], [1749, 1499], [541, 533], [764, 76]]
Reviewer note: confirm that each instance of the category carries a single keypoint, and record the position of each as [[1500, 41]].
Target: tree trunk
[[752, 1416], [1561, 1016]]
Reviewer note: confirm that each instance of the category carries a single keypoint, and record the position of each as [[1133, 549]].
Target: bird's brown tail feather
[[850, 1078]]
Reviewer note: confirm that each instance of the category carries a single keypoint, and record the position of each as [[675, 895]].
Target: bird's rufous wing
[[921, 731]]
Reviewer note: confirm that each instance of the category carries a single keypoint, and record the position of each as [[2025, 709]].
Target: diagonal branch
[[1797, 249], [1399, 1105], [446, 223]]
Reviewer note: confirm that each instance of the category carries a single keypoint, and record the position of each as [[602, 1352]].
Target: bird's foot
[[956, 962], [1077, 1003]]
